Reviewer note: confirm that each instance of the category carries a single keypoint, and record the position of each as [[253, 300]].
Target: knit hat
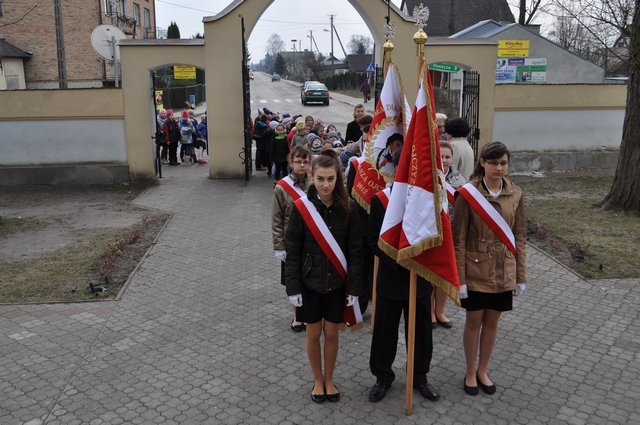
[[184, 113], [344, 157], [337, 144], [260, 111], [273, 124], [169, 111], [311, 137], [332, 134], [316, 145], [266, 111], [286, 121]]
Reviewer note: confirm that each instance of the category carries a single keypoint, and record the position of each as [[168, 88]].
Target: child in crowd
[[279, 152]]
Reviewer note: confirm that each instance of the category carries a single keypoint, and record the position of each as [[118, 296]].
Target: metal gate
[[470, 106], [245, 154], [379, 82]]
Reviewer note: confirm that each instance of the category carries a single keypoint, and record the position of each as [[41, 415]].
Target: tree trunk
[[625, 191], [523, 12]]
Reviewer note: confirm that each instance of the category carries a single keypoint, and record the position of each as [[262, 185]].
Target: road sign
[[444, 67], [371, 67]]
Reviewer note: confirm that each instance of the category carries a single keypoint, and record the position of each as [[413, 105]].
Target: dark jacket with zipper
[[306, 262]]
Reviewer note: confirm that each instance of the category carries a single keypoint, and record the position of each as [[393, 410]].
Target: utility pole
[[311, 40], [331, 16]]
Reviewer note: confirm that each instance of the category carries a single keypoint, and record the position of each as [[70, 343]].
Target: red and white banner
[[489, 215], [287, 184], [330, 248], [451, 193], [416, 230], [391, 116], [383, 197]]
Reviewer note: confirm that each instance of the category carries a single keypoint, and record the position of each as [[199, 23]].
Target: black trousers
[[281, 170], [173, 152], [385, 339]]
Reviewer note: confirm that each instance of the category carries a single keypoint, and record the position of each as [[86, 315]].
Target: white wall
[[55, 142], [559, 130]]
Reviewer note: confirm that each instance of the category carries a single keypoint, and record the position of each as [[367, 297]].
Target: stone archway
[[221, 55]]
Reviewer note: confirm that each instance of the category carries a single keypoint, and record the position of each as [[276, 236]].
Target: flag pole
[[420, 38], [376, 264]]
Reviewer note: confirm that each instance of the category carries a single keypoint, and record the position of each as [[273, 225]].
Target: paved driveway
[[201, 336]]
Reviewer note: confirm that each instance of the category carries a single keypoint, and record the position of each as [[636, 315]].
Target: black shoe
[[434, 325], [174, 163], [317, 398], [489, 389], [427, 391], [469, 390], [446, 325], [378, 392], [333, 398], [297, 328]]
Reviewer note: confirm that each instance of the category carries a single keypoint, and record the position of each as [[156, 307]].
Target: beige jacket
[[281, 208], [485, 264]]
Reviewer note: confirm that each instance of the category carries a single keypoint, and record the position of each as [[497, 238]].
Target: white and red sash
[[450, 193], [330, 248], [489, 215], [383, 197], [288, 185]]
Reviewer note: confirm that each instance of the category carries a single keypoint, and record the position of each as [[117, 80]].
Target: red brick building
[[57, 34]]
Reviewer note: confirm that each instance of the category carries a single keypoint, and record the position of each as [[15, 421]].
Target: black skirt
[[502, 301], [317, 306]]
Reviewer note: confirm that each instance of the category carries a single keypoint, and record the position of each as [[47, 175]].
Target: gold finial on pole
[[421, 15], [389, 32]]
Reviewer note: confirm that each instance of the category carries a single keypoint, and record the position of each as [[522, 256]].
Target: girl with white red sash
[[323, 267], [490, 245], [286, 191], [453, 180]]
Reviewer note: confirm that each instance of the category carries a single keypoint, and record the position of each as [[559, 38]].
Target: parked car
[[275, 77], [251, 76], [313, 91]]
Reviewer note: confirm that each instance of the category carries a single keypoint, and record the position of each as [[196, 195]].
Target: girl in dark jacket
[[313, 283]]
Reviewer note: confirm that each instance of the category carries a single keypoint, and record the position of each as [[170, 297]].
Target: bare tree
[[571, 35], [359, 44], [625, 191], [528, 10], [274, 45]]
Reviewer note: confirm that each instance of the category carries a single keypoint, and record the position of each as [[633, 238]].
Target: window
[[123, 7], [0, 7], [147, 18], [110, 7], [136, 13]]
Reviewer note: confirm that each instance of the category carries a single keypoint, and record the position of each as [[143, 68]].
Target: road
[[284, 96]]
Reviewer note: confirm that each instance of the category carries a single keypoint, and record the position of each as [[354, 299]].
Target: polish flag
[[391, 116], [416, 230]]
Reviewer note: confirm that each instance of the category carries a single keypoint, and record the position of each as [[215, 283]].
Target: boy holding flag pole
[[421, 242]]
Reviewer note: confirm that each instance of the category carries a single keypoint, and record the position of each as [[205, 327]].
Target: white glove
[[351, 300], [281, 255], [463, 292], [296, 300], [520, 287]]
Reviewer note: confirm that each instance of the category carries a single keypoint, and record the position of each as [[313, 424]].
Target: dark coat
[[393, 279], [278, 149], [306, 262], [353, 132]]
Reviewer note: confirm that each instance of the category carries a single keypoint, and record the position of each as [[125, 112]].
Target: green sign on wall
[[444, 67]]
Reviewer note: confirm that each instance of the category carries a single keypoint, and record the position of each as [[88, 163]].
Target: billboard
[[521, 70]]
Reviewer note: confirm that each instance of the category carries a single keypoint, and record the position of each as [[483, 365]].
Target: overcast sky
[[287, 18]]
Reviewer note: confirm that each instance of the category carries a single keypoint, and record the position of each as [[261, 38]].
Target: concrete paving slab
[[202, 336]]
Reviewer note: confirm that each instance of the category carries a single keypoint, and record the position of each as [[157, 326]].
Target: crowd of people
[[326, 244], [184, 137]]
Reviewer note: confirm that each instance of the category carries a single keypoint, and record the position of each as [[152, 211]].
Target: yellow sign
[[184, 72], [513, 48]]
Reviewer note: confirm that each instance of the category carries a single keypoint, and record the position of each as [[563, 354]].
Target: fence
[[175, 97]]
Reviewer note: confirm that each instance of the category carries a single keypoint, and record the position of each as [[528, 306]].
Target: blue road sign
[[371, 67]]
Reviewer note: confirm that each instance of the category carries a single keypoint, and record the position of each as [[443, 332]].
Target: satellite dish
[[102, 38]]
